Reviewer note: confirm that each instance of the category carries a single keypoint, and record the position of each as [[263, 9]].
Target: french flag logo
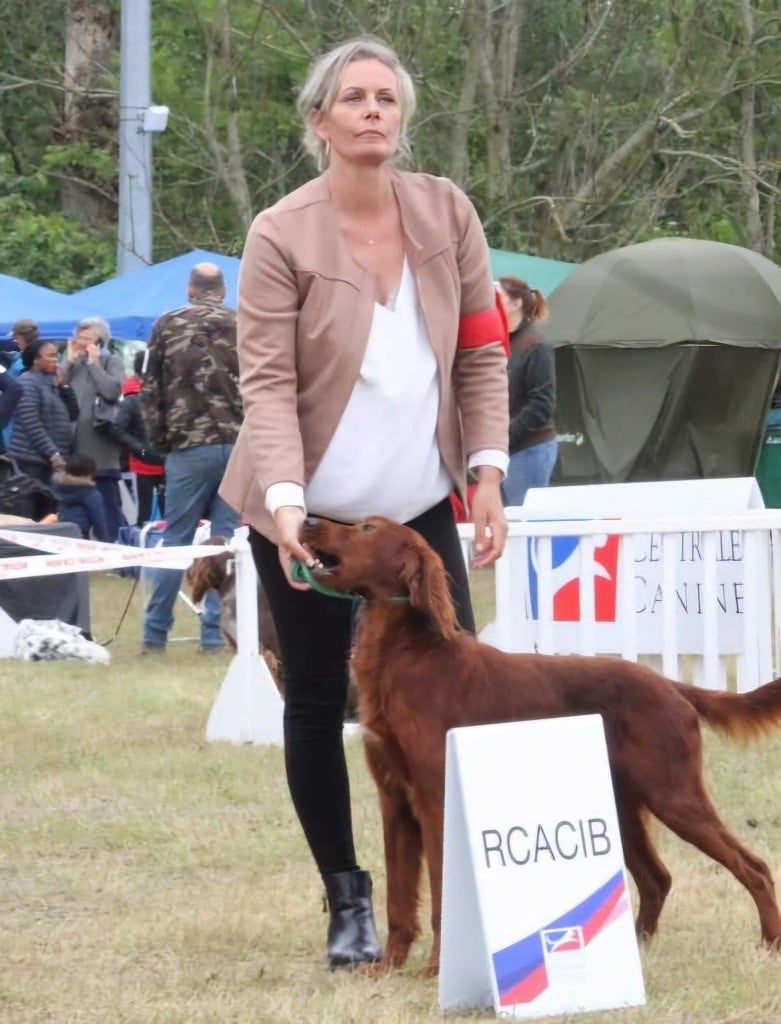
[[562, 940], [521, 969], [565, 567]]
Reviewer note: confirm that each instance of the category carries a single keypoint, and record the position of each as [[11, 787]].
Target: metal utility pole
[[134, 243]]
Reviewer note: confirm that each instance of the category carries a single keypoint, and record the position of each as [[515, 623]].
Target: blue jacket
[[10, 394], [82, 504]]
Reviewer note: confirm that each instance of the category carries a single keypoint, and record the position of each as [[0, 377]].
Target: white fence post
[[625, 597], [248, 708], [669, 614]]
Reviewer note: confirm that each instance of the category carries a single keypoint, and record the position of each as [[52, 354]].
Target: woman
[[42, 435], [371, 363], [141, 459], [532, 383], [91, 370]]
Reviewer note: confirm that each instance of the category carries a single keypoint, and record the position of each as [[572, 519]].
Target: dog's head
[[379, 560], [212, 573]]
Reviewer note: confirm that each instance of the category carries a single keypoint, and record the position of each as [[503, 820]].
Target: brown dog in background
[[419, 675], [217, 573]]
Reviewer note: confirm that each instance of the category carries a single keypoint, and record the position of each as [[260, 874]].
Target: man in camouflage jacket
[[192, 412]]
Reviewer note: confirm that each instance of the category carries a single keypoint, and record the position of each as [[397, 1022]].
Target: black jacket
[[532, 382], [129, 433], [42, 421]]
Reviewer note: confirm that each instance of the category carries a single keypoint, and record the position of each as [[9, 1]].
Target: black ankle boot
[[352, 937]]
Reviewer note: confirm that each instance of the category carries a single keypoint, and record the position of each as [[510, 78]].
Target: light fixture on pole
[[154, 119]]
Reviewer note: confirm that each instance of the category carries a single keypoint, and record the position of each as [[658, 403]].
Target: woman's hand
[[488, 517], [288, 520]]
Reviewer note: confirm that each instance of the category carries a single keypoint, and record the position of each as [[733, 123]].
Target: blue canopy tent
[[56, 314], [132, 302], [536, 271]]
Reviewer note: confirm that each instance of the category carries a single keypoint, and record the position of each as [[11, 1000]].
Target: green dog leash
[[301, 573]]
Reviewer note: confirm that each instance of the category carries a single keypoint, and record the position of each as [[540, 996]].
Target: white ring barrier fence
[[752, 540], [248, 708]]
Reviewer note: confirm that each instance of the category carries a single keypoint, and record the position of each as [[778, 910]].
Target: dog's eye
[[367, 527]]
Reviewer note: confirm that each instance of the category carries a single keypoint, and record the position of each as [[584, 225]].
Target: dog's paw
[[431, 970]]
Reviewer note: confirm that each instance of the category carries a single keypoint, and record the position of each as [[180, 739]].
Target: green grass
[[148, 876]]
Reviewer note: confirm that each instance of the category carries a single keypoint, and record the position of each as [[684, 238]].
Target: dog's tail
[[742, 715]]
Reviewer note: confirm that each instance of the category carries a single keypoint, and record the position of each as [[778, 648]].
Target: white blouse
[[383, 458]]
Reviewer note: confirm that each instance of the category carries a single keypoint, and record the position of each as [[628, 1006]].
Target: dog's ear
[[196, 578], [207, 574], [424, 575]]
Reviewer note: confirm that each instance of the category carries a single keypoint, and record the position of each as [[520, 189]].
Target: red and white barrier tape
[[69, 554]]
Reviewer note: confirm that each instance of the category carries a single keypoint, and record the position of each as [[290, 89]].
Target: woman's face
[[46, 360], [512, 307], [364, 122]]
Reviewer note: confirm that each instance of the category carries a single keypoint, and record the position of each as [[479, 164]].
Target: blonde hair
[[319, 91]]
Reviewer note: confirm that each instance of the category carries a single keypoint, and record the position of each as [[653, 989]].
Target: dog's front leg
[[403, 850], [432, 818]]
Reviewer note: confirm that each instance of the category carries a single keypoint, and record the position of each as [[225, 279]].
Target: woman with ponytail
[[532, 383]]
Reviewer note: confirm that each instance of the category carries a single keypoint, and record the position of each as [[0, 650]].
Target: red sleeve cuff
[[484, 328]]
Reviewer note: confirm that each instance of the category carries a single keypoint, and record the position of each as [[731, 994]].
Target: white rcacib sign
[[677, 498], [536, 914]]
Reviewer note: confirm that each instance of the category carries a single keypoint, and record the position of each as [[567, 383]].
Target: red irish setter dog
[[419, 676]]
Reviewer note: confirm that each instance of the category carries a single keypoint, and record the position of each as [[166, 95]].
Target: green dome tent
[[667, 354]]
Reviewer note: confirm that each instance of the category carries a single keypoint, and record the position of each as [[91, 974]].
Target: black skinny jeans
[[315, 634]]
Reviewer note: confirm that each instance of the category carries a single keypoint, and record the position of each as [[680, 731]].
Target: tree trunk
[[89, 113], [755, 238], [228, 155], [499, 59], [463, 116]]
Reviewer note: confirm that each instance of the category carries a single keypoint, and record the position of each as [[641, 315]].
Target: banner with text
[[678, 498]]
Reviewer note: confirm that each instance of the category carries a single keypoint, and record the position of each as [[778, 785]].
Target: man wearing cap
[[192, 412], [24, 332]]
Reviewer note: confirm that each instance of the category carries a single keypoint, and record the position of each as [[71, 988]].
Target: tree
[[575, 126], [89, 113]]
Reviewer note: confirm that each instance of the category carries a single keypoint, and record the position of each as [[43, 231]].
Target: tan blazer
[[305, 311]]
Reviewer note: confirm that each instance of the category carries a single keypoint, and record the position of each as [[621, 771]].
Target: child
[[80, 500]]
